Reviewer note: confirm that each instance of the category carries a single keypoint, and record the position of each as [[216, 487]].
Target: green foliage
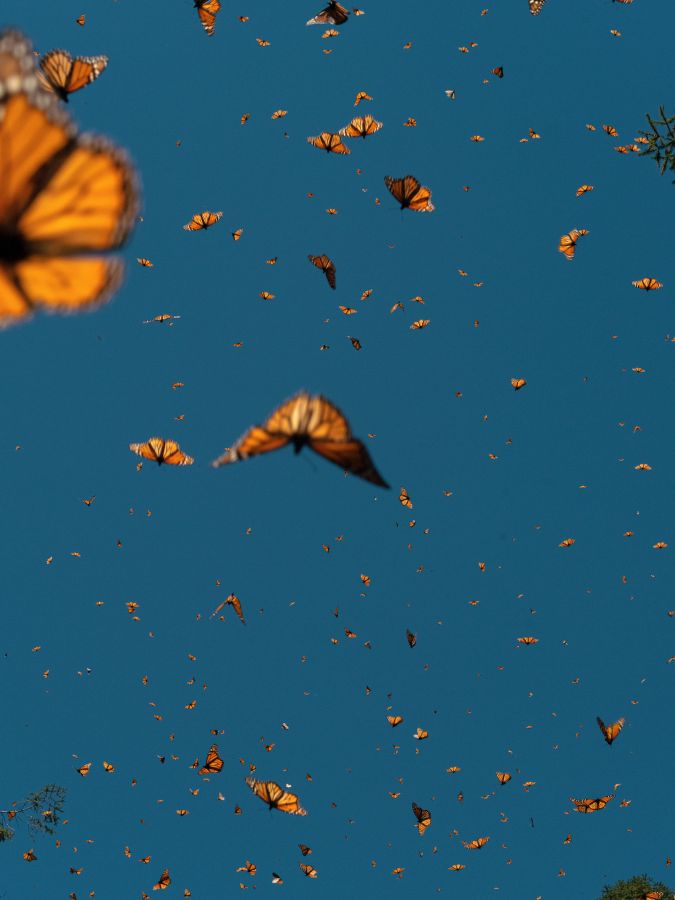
[[41, 811], [635, 888], [661, 145]]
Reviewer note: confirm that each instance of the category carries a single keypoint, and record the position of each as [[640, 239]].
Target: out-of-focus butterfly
[[528, 640], [590, 805], [164, 881], [330, 142], [213, 762], [307, 870], [202, 221], [421, 734], [610, 732], [423, 817], [498, 71], [277, 879], [333, 14], [276, 797], [250, 868], [64, 75], [304, 849], [394, 720], [419, 324], [63, 199], [161, 451], [312, 421], [536, 6], [207, 10], [647, 284], [518, 383], [411, 638], [327, 266], [409, 193], [584, 189], [568, 242], [361, 95], [361, 126], [476, 844], [84, 770]]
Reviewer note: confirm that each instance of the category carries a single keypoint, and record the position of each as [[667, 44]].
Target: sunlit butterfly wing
[[65, 75], [207, 11], [327, 266], [410, 193], [333, 14], [213, 762]]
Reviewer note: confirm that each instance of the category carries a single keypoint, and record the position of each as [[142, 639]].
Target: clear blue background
[[76, 391]]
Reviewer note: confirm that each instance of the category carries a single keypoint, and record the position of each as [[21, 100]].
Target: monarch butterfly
[[265, 295], [64, 75], [279, 113], [164, 881], [29, 856], [327, 266], [312, 421], [610, 732], [108, 767], [647, 284], [592, 805], [649, 895], [411, 638], [329, 142], [404, 498], [146, 263], [250, 867], [567, 542], [420, 323], [207, 10], [333, 14], [610, 130], [276, 797], [233, 601], [361, 95], [536, 6], [203, 220], [394, 720], [277, 879], [476, 844], [423, 817], [499, 71], [84, 770], [361, 127], [262, 42], [161, 451], [421, 734], [213, 762], [236, 235], [409, 193], [64, 197], [568, 242], [456, 867], [80, 20], [584, 189], [518, 383], [308, 870], [528, 640], [503, 777], [304, 849]]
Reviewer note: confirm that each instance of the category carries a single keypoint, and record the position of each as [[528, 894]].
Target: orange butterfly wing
[[207, 11]]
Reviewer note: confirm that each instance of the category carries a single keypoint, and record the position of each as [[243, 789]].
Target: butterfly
[[518, 383], [647, 284], [164, 881], [304, 849], [536, 6], [64, 75], [276, 797], [161, 451], [476, 844], [568, 242], [29, 856], [394, 720], [411, 638], [404, 498], [203, 220], [584, 189], [327, 266], [250, 867], [361, 95], [498, 71], [503, 777], [420, 323], [423, 817], [308, 870], [592, 805], [84, 770], [409, 193], [64, 199], [528, 640], [233, 601], [333, 14], [207, 11], [610, 732], [329, 142], [456, 867], [312, 421], [361, 126], [213, 762]]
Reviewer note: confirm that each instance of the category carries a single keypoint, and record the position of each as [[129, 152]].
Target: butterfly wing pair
[[423, 817], [410, 193], [161, 451], [589, 805], [64, 75], [333, 14], [327, 266], [213, 763], [276, 797], [207, 10], [312, 421], [65, 199]]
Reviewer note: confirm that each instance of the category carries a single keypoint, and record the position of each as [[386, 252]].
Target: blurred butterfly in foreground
[[207, 11], [64, 75], [536, 6], [312, 421], [333, 14], [610, 732], [276, 797], [161, 451], [64, 198], [410, 193]]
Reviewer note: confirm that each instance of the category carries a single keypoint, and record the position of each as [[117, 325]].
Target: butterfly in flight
[[610, 732], [164, 881], [333, 14], [410, 193], [423, 817], [207, 10], [536, 6], [276, 797], [361, 126], [213, 762], [202, 221], [312, 421], [330, 142], [327, 266], [592, 805], [161, 451], [64, 75], [65, 198]]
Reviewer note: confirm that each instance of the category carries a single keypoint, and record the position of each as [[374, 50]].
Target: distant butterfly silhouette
[[311, 421], [65, 75], [592, 805]]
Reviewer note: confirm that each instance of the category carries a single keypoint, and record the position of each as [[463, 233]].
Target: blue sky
[[77, 391]]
